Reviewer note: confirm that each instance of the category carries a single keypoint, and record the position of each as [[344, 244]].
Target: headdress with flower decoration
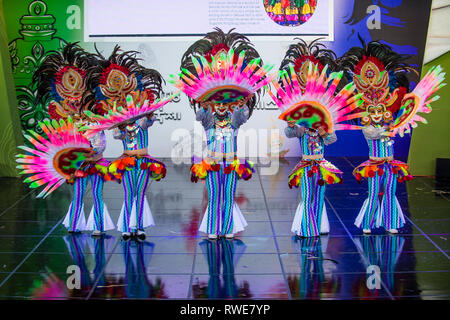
[[119, 75], [381, 75], [124, 88], [299, 54], [61, 81]]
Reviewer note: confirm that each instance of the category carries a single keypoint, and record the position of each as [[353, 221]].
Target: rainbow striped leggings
[[388, 209], [135, 183], [76, 208], [221, 190], [313, 202]]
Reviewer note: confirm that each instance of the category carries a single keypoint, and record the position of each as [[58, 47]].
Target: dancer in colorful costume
[[222, 73], [61, 82], [380, 75], [132, 92], [313, 107]]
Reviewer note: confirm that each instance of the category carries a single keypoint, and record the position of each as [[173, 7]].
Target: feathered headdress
[[300, 54], [418, 101], [119, 75], [381, 75], [61, 81], [52, 160], [222, 68], [318, 104], [124, 89]]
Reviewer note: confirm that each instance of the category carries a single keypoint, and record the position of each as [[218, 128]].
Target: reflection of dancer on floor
[[76, 245], [54, 288], [383, 251], [222, 257], [316, 277], [100, 247], [137, 256]]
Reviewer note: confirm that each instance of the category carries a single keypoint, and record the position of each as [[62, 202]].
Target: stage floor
[[264, 262]]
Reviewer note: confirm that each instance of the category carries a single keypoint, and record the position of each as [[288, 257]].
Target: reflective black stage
[[264, 262]]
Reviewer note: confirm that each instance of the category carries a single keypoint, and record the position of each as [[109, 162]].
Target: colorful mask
[[221, 109], [372, 79]]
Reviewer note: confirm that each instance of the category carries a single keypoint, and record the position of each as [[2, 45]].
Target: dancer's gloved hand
[[291, 123], [150, 115], [388, 129], [322, 132]]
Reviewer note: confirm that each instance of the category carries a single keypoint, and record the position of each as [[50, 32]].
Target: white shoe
[[366, 231], [212, 236], [393, 231], [96, 233], [229, 236]]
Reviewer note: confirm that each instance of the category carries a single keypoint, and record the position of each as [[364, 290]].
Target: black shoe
[[140, 235], [126, 236]]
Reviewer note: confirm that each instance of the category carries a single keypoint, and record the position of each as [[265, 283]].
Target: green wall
[[29, 30], [10, 128], [430, 141]]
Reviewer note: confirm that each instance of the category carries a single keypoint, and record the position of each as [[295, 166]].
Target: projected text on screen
[[108, 20]]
